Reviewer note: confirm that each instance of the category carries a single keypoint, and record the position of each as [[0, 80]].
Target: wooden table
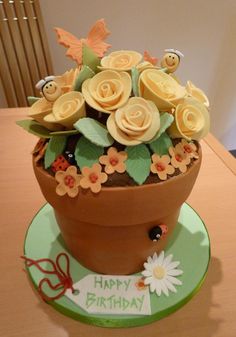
[[212, 312]]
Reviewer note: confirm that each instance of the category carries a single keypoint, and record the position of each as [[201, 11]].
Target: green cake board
[[189, 244]]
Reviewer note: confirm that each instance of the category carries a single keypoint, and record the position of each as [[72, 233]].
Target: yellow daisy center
[[159, 272]]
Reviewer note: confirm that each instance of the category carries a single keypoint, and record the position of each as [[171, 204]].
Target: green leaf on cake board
[[64, 133], [135, 77], [56, 146], [94, 131], [166, 120], [31, 100], [161, 145], [87, 153], [138, 162], [89, 58], [84, 74], [34, 127]]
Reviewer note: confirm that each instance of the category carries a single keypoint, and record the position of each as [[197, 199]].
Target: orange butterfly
[[95, 41], [147, 57]]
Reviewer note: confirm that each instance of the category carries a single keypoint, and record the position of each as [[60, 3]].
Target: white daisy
[[160, 273]]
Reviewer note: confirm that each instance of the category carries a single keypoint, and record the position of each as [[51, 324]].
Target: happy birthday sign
[[111, 295]]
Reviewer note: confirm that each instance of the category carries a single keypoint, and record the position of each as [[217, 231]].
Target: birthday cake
[[118, 152]]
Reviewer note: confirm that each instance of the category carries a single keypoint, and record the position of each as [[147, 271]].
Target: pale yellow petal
[[73, 192], [117, 134], [59, 176], [60, 189]]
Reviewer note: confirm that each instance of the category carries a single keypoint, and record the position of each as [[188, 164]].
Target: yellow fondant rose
[[136, 122], [145, 65], [122, 60], [67, 109], [161, 88], [107, 90], [191, 120], [39, 110], [197, 93]]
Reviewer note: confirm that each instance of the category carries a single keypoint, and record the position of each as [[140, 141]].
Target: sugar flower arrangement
[[124, 114]]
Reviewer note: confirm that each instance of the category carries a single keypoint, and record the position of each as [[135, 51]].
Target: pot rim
[[144, 186]]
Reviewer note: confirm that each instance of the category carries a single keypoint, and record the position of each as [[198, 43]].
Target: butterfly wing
[[147, 57], [73, 44], [96, 37]]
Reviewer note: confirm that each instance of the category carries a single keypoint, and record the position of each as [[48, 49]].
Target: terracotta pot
[[108, 232]]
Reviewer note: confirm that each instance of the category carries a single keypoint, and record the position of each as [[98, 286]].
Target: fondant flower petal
[[60, 189], [59, 176], [73, 192]]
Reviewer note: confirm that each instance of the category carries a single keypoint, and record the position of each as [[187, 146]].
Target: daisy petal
[[170, 286], [146, 273], [158, 288], [167, 260], [172, 265], [148, 266], [164, 287], [152, 287], [149, 259], [155, 257], [174, 272], [160, 258], [174, 280], [148, 280]]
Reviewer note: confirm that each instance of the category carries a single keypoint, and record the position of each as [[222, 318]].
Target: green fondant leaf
[[135, 77], [138, 162], [89, 58], [31, 100], [64, 133], [87, 153], [34, 127], [84, 74], [94, 131], [166, 120], [56, 146], [161, 145]]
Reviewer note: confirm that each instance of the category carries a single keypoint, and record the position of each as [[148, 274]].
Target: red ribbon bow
[[65, 280]]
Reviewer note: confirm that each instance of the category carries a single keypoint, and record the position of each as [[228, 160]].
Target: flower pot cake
[[118, 152]]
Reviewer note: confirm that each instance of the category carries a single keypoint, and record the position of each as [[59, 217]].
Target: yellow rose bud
[[136, 122], [122, 60], [107, 90], [161, 88], [191, 120], [197, 93], [67, 109]]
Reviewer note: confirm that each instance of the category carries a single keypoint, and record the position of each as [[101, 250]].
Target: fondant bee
[[49, 88], [171, 59]]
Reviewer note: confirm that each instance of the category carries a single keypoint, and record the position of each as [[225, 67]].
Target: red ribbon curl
[[65, 280]]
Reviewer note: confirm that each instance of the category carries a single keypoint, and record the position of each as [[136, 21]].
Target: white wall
[[205, 30]]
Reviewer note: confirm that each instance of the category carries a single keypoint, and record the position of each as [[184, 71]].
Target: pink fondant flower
[[160, 166], [68, 181], [179, 158], [114, 161], [93, 177], [190, 149]]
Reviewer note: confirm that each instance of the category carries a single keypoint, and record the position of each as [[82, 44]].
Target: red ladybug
[[60, 164]]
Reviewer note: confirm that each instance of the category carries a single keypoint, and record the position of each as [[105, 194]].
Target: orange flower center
[[114, 161], [93, 177], [178, 157], [69, 181], [160, 167], [187, 148]]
